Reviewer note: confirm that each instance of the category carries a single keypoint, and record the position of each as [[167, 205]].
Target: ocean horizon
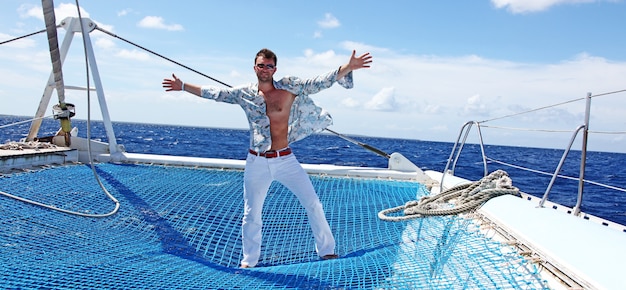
[[327, 148]]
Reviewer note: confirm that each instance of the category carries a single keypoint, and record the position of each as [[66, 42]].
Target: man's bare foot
[[244, 266], [330, 257]]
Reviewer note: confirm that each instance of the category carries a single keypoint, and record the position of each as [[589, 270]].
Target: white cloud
[[29, 10], [133, 54], [383, 101], [362, 48], [329, 22], [350, 103], [69, 10], [157, 22], [430, 97], [446, 92], [432, 109], [124, 12], [325, 58], [105, 43], [61, 12], [527, 6], [439, 128], [475, 106]]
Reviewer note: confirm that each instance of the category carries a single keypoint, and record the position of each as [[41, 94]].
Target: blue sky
[[437, 64]]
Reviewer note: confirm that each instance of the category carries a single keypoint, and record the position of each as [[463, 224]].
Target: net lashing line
[[456, 200], [180, 228]]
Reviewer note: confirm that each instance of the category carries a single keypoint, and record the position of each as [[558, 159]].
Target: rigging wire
[[368, 147], [608, 93], [547, 107], [550, 174], [162, 56], [24, 36], [550, 130], [550, 106], [533, 110], [365, 146], [24, 121], [526, 129]]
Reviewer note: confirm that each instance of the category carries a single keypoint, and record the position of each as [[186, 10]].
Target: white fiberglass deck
[[591, 252]]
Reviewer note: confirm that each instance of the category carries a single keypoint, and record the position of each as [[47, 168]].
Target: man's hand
[[363, 61], [174, 84]]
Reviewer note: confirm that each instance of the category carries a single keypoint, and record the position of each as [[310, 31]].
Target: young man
[[279, 113]]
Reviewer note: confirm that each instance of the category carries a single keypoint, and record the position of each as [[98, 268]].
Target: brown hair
[[266, 53]]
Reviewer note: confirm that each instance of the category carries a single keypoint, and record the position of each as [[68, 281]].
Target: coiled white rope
[[456, 200], [26, 145]]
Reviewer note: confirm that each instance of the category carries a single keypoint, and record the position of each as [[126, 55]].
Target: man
[[279, 113]]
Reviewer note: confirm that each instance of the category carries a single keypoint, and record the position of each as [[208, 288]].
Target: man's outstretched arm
[[175, 84]]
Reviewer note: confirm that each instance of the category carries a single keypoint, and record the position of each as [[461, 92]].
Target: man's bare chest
[[278, 102]]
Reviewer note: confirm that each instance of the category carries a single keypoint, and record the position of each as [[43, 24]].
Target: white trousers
[[258, 176]]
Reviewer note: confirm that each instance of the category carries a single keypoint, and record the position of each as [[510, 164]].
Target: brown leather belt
[[271, 153]]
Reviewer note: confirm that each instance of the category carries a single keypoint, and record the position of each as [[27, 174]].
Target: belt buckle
[[270, 154]]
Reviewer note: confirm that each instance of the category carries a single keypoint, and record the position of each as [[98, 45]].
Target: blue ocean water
[[602, 167]]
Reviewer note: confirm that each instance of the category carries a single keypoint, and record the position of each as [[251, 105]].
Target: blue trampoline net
[[181, 228]]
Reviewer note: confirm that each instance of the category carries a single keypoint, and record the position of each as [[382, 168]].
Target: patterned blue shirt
[[305, 118]]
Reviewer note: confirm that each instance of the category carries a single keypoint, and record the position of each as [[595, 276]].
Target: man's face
[[264, 68]]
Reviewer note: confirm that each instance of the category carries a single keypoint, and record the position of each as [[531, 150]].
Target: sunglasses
[[268, 66]]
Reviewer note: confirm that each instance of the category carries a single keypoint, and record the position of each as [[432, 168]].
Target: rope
[[112, 212], [456, 200], [93, 168], [26, 145], [22, 122], [163, 57]]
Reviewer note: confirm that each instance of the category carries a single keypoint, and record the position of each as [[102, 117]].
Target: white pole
[[583, 156], [90, 25]]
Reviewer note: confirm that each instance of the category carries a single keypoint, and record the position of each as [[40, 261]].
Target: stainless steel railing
[[583, 128]]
